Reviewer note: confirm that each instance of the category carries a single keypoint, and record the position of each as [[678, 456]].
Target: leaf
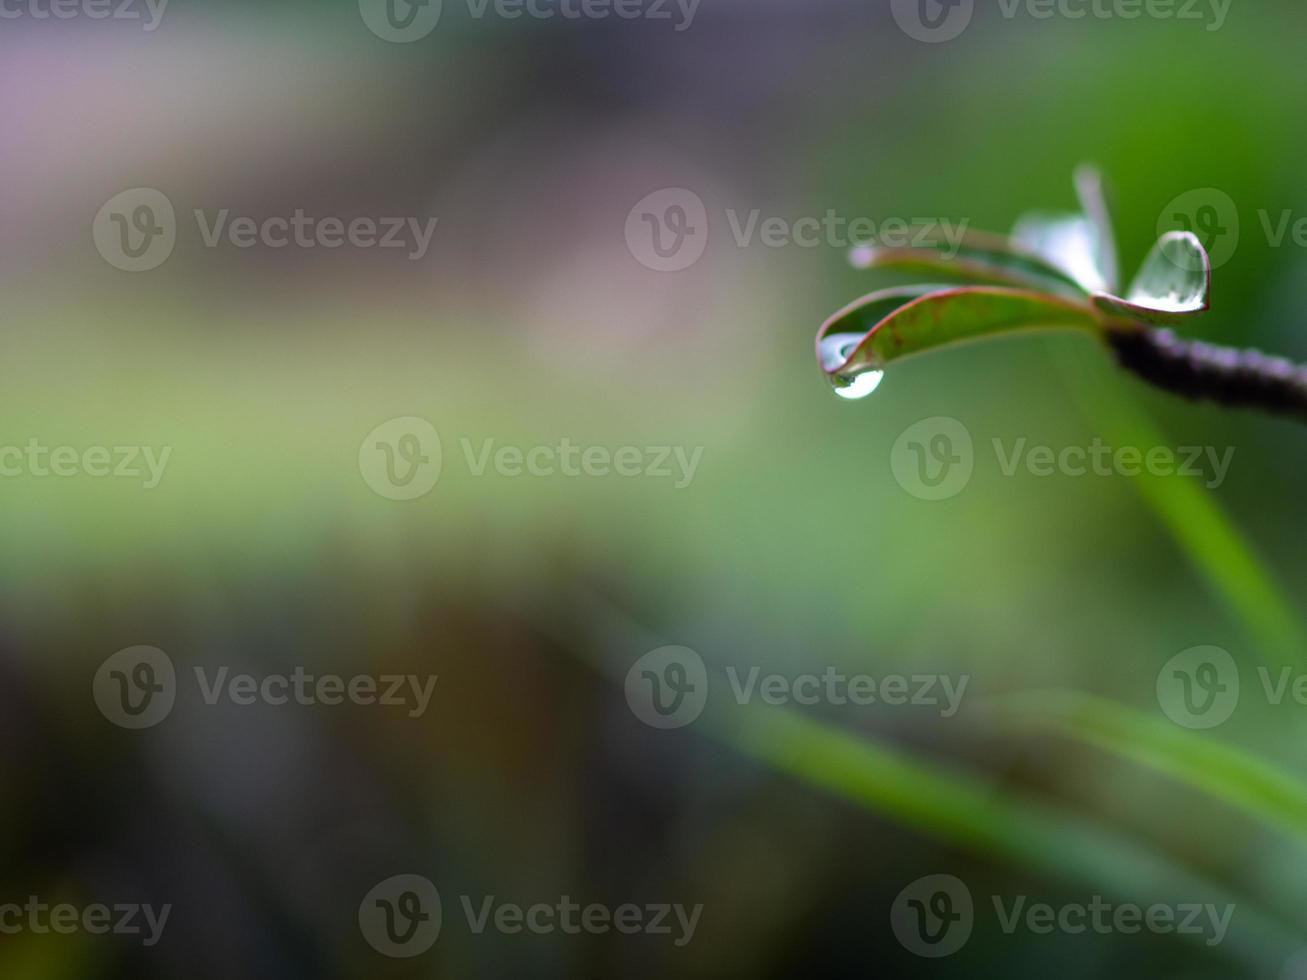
[[1091, 188], [1069, 242], [1174, 283], [971, 810], [1082, 246], [1243, 781], [1235, 572], [892, 324], [977, 257]]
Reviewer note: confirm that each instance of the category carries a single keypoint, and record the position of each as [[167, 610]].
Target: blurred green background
[[793, 548]]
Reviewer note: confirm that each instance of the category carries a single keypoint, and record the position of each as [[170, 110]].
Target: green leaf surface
[[892, 324], [1091, 188], [1196, 759], [974, 257], [968, 810], [1069, 243], [1174, 283]]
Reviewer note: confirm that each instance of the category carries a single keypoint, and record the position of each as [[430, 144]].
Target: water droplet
[[857, 386], [836, 348], [860, 382]]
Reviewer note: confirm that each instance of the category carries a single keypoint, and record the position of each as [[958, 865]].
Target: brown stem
[[1202, 371]]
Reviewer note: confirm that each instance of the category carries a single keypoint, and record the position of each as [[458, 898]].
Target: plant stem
[[1199, 370]]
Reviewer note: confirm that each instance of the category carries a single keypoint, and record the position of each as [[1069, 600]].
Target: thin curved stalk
[[1202, 371]]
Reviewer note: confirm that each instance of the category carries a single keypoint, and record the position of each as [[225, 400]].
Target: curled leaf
[[1174, 283], [892, 324], [972, 257], [1070, 243], [1091, 188]]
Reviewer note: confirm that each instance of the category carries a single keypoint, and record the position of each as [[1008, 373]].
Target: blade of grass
[[960, 809], [965, 811], [1221, 554], [1245, 782]]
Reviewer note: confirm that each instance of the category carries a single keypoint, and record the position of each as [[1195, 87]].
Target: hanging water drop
[[857, 386], [858, 383]]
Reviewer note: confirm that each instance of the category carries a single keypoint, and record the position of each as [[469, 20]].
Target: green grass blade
[[1195, 519], [1243, 781], [964, 810]]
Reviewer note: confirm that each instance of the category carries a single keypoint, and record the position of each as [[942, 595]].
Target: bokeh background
[[793, 549]]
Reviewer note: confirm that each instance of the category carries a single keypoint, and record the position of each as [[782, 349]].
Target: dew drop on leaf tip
[[859, 383]]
